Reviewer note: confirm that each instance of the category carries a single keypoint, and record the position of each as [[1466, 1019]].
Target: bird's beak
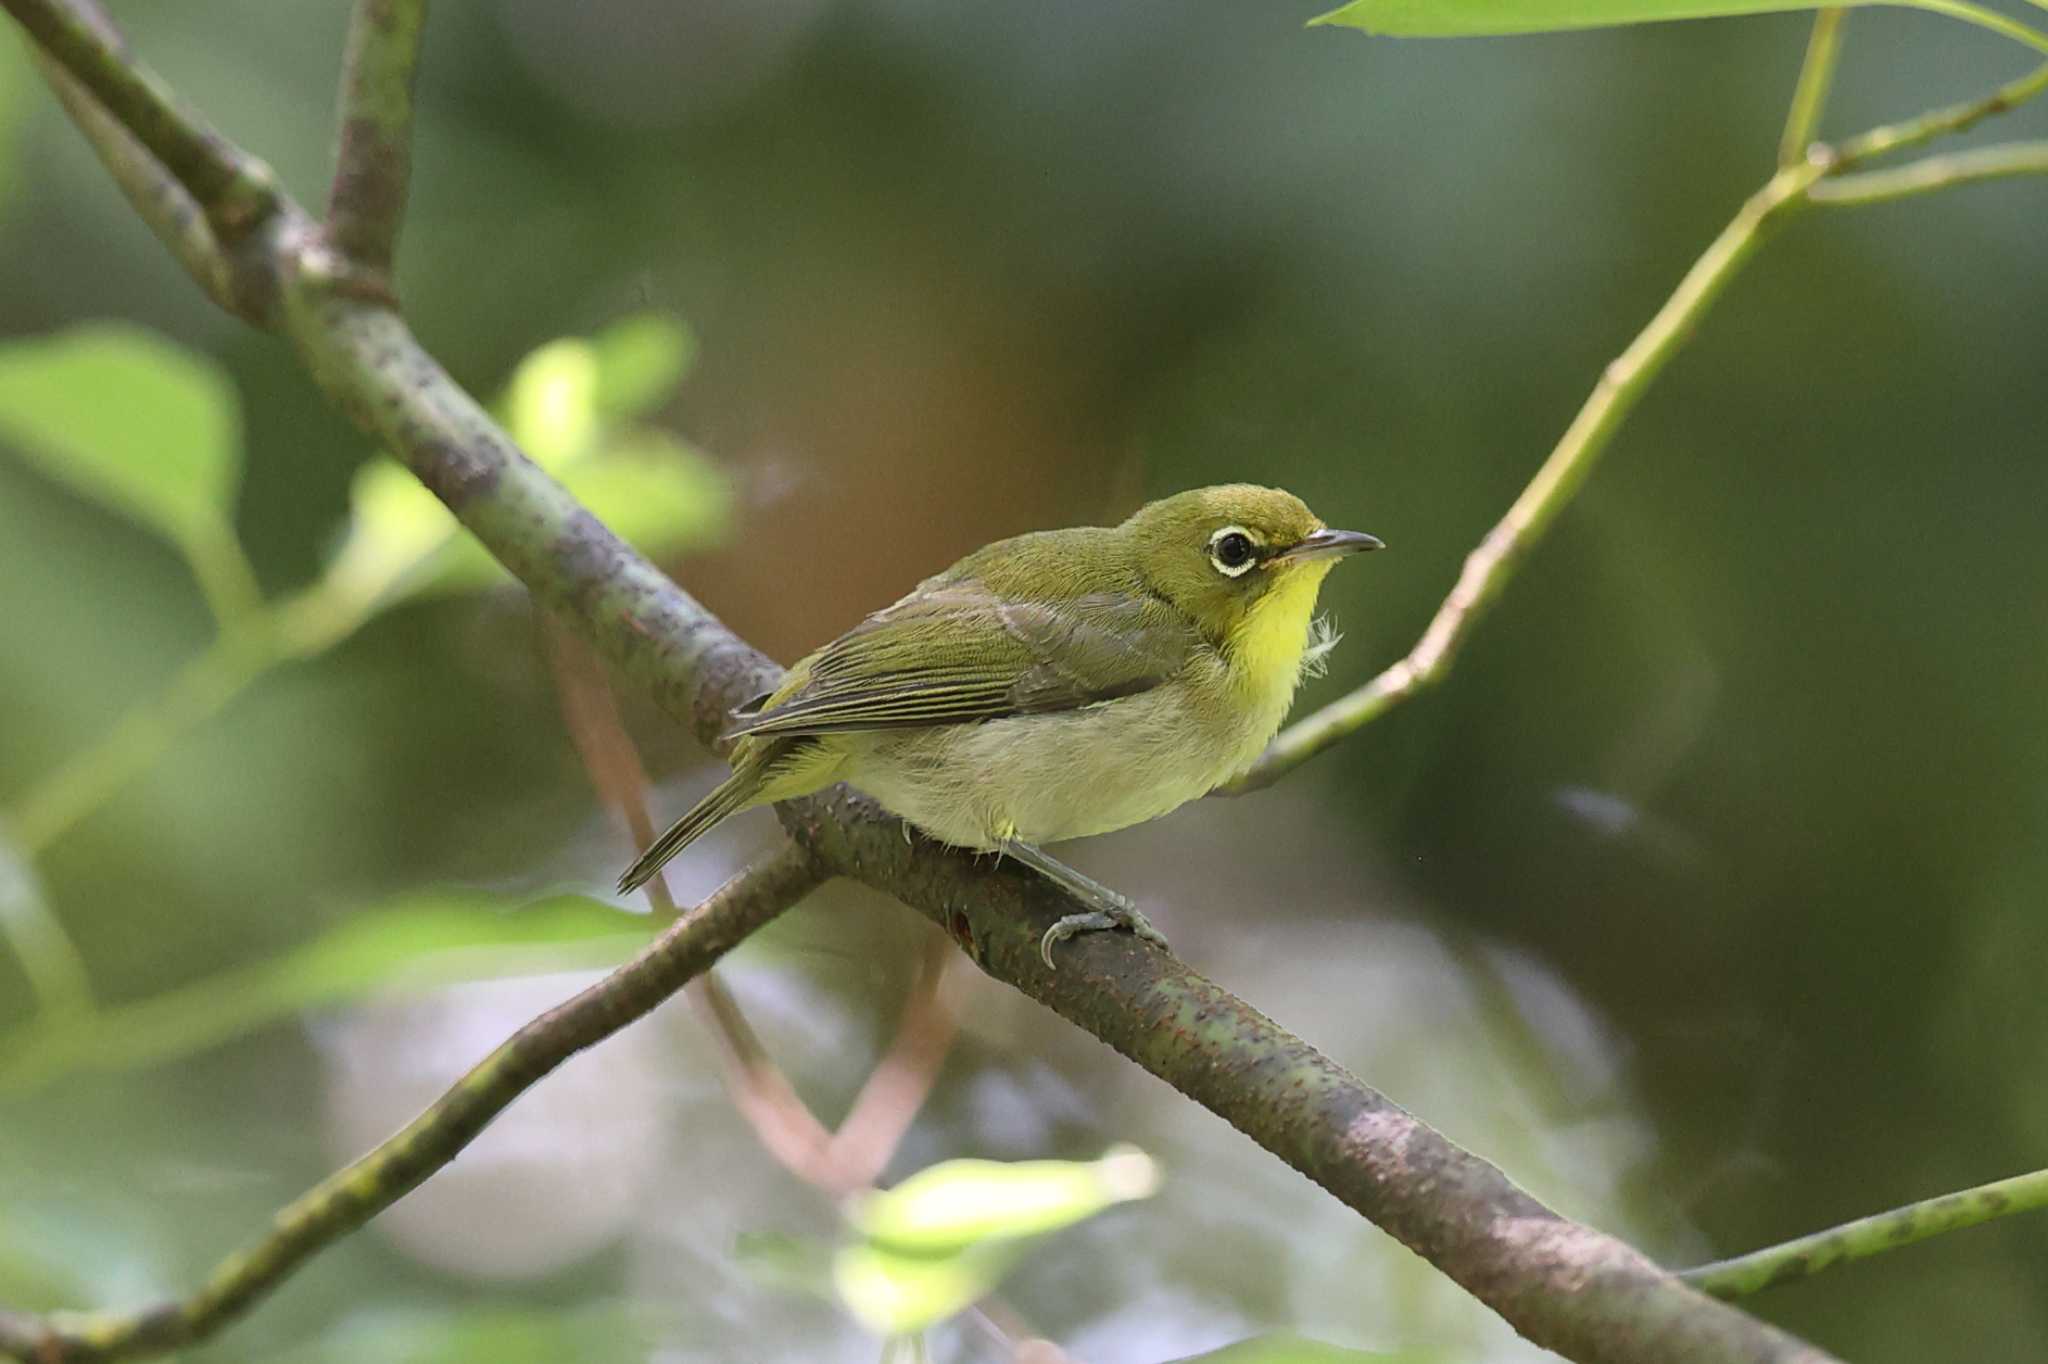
[[1328, 544]]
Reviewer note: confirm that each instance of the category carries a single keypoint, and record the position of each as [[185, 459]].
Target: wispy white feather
[[1322, 637]]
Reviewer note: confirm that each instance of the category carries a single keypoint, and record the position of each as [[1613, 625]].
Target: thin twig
[[1931, 173], [1809, 1255], [1489, 568], [164, 205], [1816, 77], [866, 1139], [347, 1199], [373, 163], [840, 1162], [1954, 118], [235, 190]]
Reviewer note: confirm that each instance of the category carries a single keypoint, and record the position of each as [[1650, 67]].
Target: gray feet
[[1107, 909]]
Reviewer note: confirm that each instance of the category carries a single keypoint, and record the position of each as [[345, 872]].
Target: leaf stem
[[1867, 1236], [1931, 173], [1816, 79]]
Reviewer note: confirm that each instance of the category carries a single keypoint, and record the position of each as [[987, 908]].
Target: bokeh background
[[1706, 896]]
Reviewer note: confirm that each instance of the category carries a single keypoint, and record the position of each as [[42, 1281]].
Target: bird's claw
[[1114, 914]]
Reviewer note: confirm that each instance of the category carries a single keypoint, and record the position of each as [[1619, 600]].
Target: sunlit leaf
[[422, 941], [640, 360], [659, 495], [893, 1292], [562, 404], [395, 528], [551, 404], [1293, 1349], [961, 1202], [129, 419], [1474, 18]]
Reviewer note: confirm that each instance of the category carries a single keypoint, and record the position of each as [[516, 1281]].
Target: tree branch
[[1563, 1285], [352, 1196], [1931, 173], [373, 163], [1867, 1236], [235, 190]]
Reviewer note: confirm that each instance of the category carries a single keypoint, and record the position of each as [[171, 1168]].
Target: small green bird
[[1053, 685]]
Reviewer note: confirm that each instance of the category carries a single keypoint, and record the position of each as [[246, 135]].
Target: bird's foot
[[1118, 913]]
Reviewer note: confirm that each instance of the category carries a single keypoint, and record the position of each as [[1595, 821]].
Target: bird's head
[[1239, 560]]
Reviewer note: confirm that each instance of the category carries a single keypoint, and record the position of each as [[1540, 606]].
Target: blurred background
[[1706, 897]]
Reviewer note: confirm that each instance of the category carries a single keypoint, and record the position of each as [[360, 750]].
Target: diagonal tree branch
[[1562, 1284], [352, 1196], [373, 163], [1816, 78]]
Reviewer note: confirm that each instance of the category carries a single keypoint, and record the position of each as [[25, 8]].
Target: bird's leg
[[1107, 908]]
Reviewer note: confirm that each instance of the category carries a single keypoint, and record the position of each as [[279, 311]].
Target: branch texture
[[373, 163]]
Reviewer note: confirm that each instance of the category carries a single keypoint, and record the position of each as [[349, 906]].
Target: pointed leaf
[[550, 406], [129, 419], [1475, 18], [430, 939], [640, 360], [961, 1202]]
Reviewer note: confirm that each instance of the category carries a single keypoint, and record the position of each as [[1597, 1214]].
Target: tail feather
[[729, 797]]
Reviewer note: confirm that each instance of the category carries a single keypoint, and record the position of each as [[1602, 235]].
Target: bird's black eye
[[1231, 550]]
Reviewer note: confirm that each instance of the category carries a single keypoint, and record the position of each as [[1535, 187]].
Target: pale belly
[[1045, 778]]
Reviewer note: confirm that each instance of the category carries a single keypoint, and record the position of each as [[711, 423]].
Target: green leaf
[[395, 528], [640, 360], [1475, 18], [1286, 1348], [130, 420], [894, 1293], [562, 406], [960, 1202], [550, 406], [658, 494], [416, 943]]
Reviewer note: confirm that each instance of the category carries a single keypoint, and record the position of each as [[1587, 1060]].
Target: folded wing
[[959, 653]]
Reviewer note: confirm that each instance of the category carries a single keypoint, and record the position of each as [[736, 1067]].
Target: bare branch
[[366, 202], [236, 192], [1931, 173], [1809, 1255], [1955, 118], [351, 1197]]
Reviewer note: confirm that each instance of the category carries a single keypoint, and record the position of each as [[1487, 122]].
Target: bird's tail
[[729, 797]]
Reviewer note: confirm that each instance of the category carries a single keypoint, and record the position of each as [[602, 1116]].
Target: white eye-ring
[[1233, 551]]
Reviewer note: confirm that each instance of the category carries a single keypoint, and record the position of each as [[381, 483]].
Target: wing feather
[[958, 653]]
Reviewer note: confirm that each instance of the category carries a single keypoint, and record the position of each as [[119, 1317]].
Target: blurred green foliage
[[1705, 896]]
